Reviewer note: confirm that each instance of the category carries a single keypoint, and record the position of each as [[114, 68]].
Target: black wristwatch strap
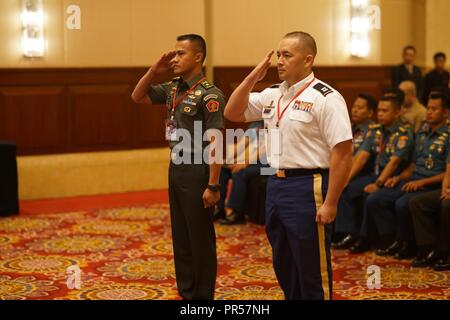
[[214, 187]]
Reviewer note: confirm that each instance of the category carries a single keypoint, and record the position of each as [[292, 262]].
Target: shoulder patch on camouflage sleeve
[[207, 85], [211, 96], [323, 89], [213, 106]]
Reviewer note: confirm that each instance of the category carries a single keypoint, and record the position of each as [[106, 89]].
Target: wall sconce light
[[364, 17], [359, 29], [32, 28]]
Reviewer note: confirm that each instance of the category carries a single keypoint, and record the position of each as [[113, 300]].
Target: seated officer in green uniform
[[390, 144], [346, 225], [389, 207], [192, 103]]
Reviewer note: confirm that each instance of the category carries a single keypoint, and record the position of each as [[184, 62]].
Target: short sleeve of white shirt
[[334, 120], [255, 107]]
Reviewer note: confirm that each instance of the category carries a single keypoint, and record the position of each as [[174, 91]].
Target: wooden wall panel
[[32, 117], [100, 117], [75, 110], [149, 128], [348, 80]]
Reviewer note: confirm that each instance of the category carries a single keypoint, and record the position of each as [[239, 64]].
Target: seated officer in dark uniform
[[389, 144], [389, 207], [193, 104], [431, 217], [242, 164], [346, 225], [362, 112]]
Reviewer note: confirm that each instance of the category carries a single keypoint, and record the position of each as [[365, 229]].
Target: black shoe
[[391, 250], [407, 251], [345, 243], [425, 260], [234, 218], [443, 264], [337, 237], [360, 246], [219, 214]]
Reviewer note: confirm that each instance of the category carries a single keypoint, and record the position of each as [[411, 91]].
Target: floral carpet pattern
[[126, 253]]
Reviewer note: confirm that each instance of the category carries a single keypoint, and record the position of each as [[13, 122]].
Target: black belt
[[285, 173]]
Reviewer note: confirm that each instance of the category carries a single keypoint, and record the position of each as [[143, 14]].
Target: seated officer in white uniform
[[309, 142]]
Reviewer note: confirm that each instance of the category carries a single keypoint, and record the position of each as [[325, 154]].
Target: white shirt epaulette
[[323, 89]]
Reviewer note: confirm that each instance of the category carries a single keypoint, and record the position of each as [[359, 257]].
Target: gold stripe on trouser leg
[[318, 197]]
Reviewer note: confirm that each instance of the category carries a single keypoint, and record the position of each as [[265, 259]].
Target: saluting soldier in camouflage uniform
[[192, 103]]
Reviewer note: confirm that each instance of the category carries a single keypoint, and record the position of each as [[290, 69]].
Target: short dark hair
[[371, 101], [395, 95], [409, 47], [304, 39], [438, 55], [197, 40], [441, 93]]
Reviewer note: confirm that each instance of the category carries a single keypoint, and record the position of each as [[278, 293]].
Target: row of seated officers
[[398, 199]]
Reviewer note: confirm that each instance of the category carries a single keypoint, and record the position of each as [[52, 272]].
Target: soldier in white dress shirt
[[309, 143]]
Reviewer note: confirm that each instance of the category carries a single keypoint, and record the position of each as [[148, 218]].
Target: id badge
[[267, 112], [275, 141], [274, 147], [171, 130]]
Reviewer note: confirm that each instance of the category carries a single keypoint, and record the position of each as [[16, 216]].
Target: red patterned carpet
[[122, 245]]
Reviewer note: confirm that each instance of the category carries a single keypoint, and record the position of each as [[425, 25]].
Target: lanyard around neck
[[287, 106], [176, 102]]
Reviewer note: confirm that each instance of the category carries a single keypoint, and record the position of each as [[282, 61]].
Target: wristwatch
[[213, 187], [379, 183]]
